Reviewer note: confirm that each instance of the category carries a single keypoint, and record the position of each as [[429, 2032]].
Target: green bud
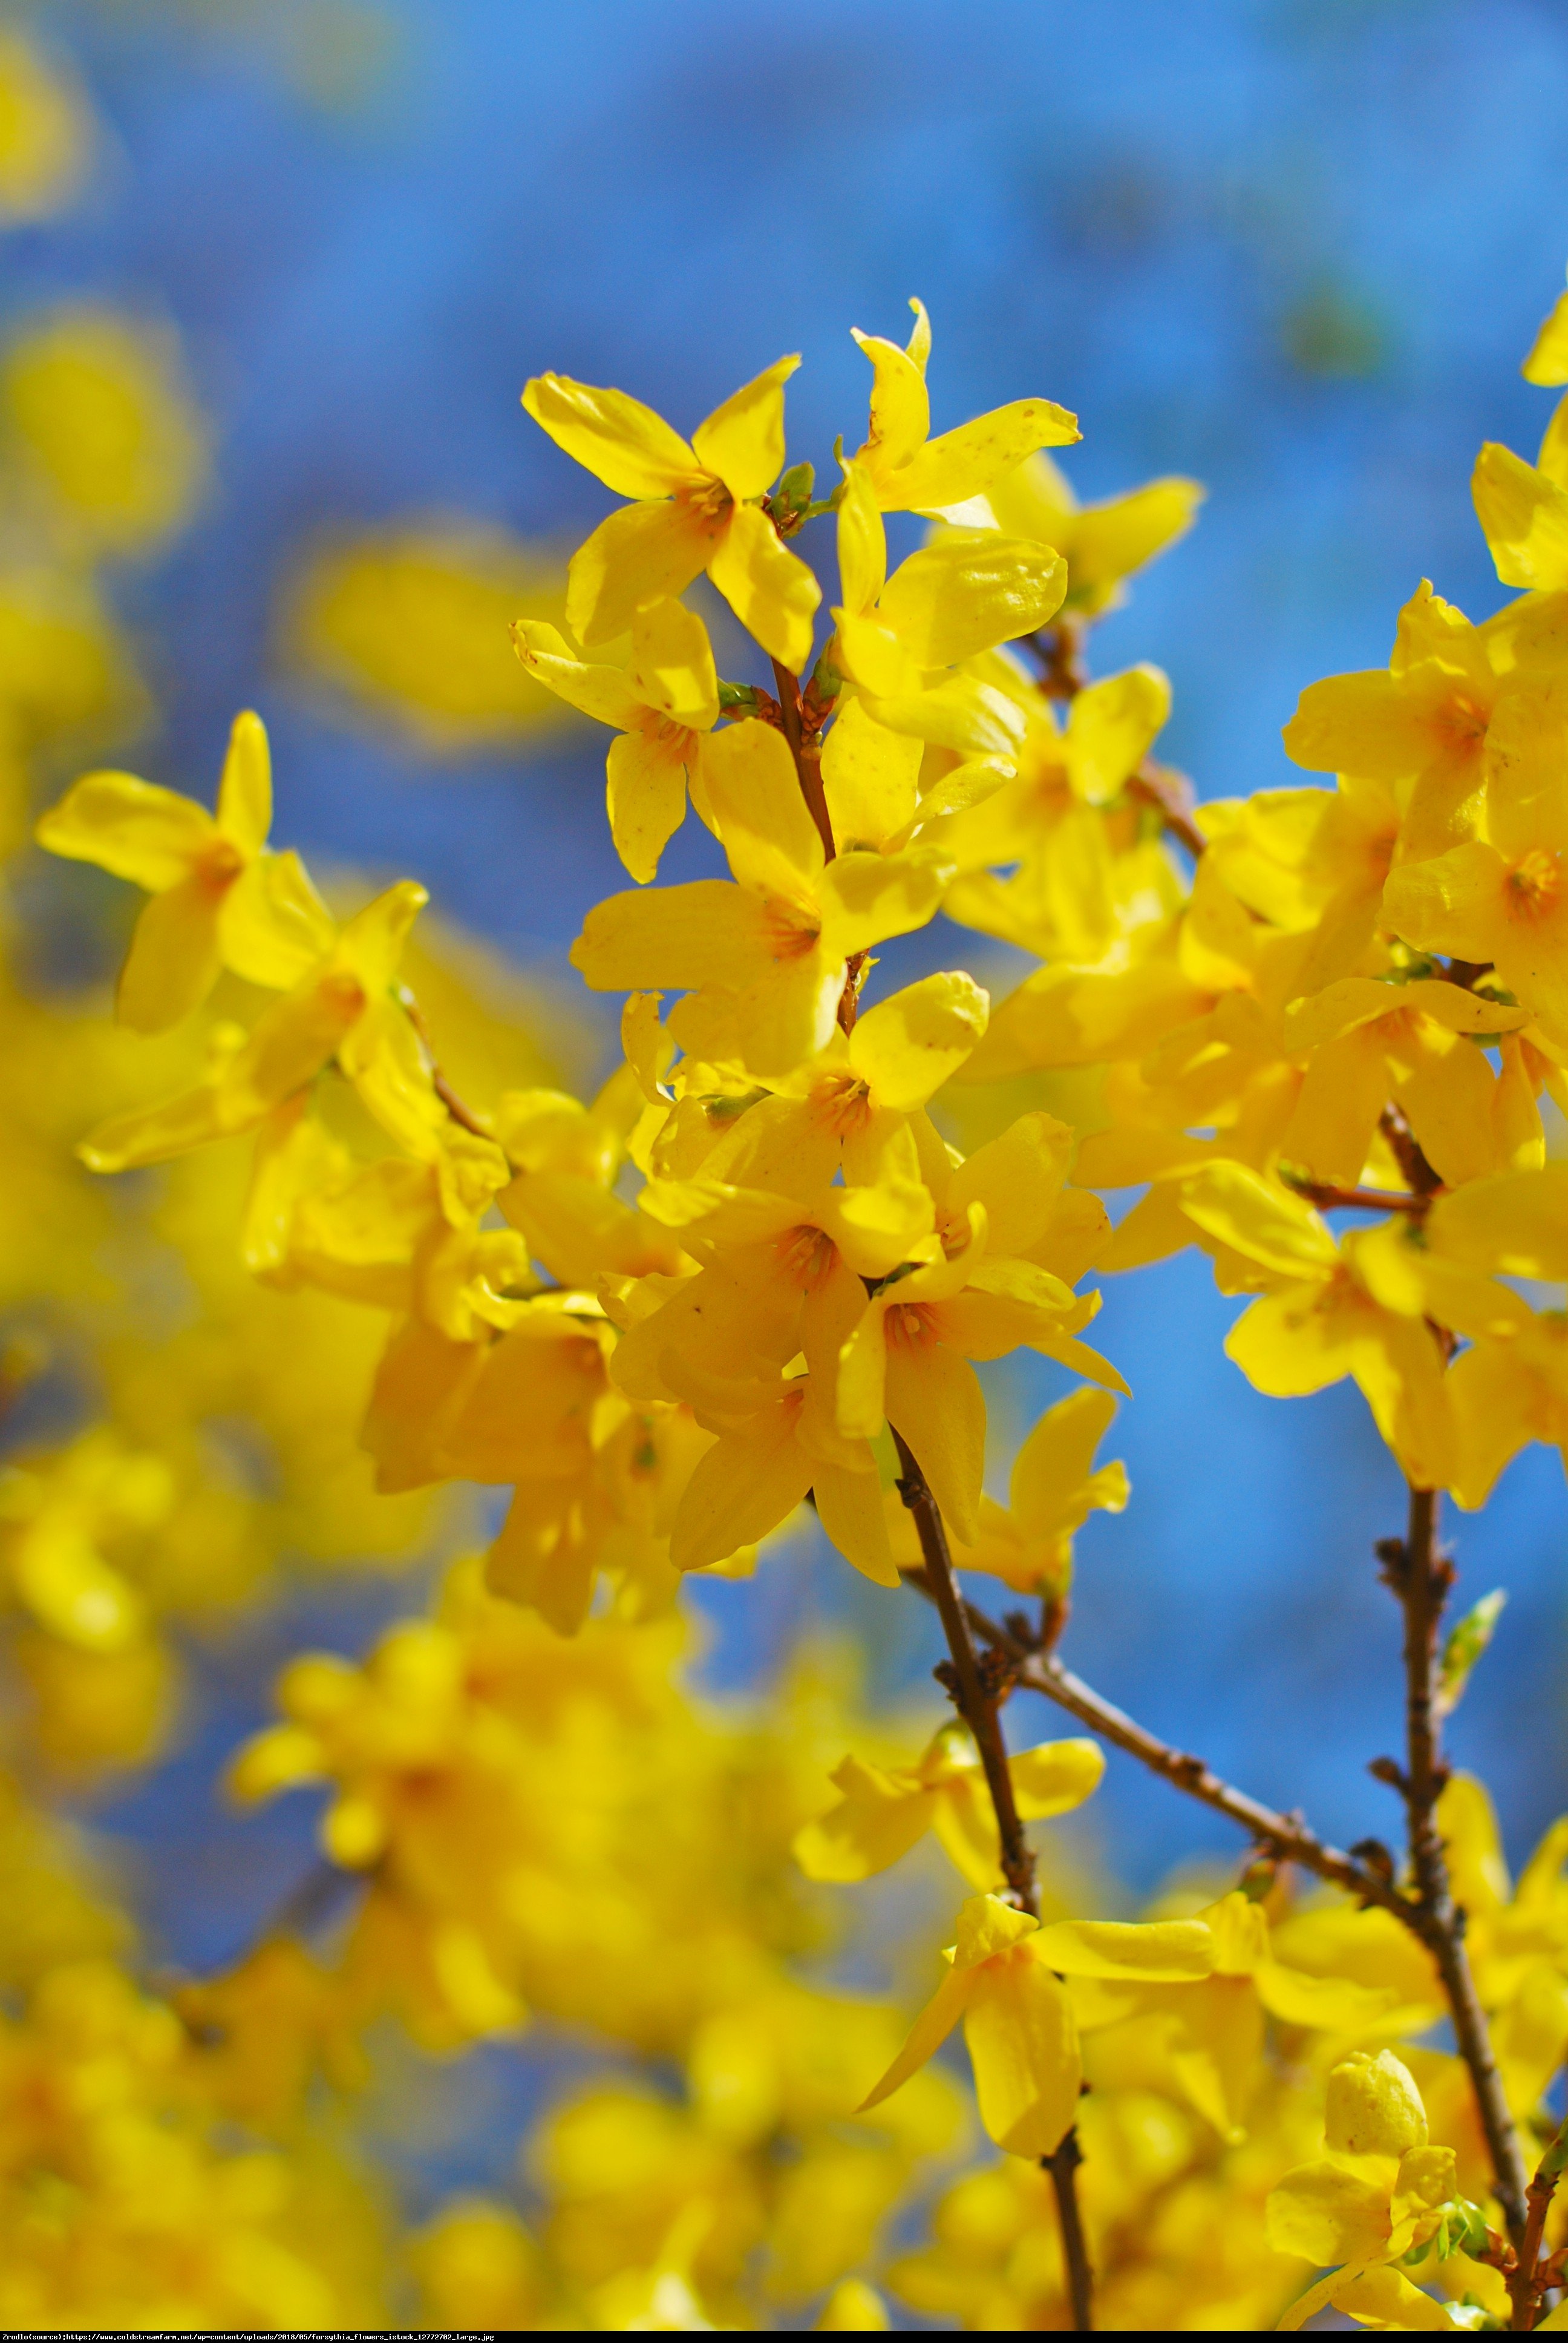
[[1466, 1641]]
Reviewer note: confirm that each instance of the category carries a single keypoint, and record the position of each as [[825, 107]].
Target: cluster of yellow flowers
[[758, 1270]]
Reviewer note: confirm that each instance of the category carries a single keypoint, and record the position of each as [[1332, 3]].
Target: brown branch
[[1529, 2276], [976, 1700], [807, 751], [1060, 650], [1172, 796], [460, 1112], [1419, 1578], [1062, 2165], [1331, 1198], [1419, 1175]]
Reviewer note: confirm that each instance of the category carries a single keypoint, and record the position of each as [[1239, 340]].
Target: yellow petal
[[273, 926], [1381, 2296], [172, 961], [1052, 1470], [678, 936], [906, 1047], [1157, 1952], [245, 790], [672, 663], [1055, 1777], [769, 589], [646, 794], [622, 442], [1547, 362], [1524, 516], [926, 2037], [1455, 902], [745, 1486], [132, 828], [851, 1509], [966, 462], [853, 2306], [754, 790], [1516, 1223], [1325, 2213], [900, 409], [601, 692], [1108, 541], [1372, 2108], [1110, 727], [869, 777], [866, 899], [1247, 1213], [934, 1399], [863, 541], [1018, 1178], [987, 1926], [1022, 2041], [639, 553], [1362, 723], [877, 1819], [743, 440], [953, 600]]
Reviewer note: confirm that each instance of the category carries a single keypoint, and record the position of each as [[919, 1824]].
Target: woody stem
[[978, 1707], [1524, 2284], [975, 1705], [806, 753], [1420, 1578]]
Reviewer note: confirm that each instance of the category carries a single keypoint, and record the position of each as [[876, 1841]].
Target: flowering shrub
[[755, 1272]]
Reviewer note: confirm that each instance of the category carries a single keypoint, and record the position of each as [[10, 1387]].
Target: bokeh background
[[1293, 247]]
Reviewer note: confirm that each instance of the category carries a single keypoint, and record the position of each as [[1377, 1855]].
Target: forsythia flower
[[698, 507]]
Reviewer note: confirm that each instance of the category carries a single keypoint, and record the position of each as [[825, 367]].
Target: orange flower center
[[911, 1326], [805, 1256], [220, 866], [840, 1103], [1536, 881], [707, 500], [1465, 720], [790, 932]]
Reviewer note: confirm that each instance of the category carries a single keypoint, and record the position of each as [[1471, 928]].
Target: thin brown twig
[[1529, 2276], [1329, 1197], [806, 752], [460, 1112], [1285, 1835], [977, 1704], [1420, 1578]]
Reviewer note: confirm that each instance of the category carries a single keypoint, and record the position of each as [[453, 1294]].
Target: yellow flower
[[1212, 2027], [1028, 1542], [661, 706], [882, 1811], [1101, 543], [1017, 2017], [697, 506], [911, 472], [907, 1361], [1379, 2194], [1364, 1308], [946, 603], [218, 898], [766, 957], [1503, 899], [44, 134], [343, 1009]]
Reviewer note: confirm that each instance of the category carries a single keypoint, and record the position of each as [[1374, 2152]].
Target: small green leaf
[[1467, 1639]]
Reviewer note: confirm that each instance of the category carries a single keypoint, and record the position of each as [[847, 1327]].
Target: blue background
[[1295, 247]]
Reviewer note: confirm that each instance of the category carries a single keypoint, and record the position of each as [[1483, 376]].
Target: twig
[[1419, 1578], [460, 1112], [1060, 650], [1527, 2280], [977, 1704], [805, 749], [1172, 796], [1331, 1198], [1422, 1179], [1062, 2165]]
